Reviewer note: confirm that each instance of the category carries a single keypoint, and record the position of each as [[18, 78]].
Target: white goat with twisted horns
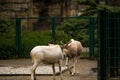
[[46, 54], [72, 50]]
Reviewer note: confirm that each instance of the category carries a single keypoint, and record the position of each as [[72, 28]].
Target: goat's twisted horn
[[64, 43], [68, 42], [61, 42]]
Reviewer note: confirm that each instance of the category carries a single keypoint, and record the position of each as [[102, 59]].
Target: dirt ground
[[85, 67]]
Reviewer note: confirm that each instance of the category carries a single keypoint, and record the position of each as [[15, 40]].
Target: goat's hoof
[[61, 78], [72, 74], [77, 73]]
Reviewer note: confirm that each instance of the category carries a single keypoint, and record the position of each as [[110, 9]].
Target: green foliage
[[6, 25], [77, 29], [32, 39], [61, 36], [87, 2], [28, 41], [94, 6], [7, 46], [7, 39], [109, 8]]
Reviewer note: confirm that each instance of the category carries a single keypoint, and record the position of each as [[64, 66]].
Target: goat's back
[[47, 54], [75, 48]]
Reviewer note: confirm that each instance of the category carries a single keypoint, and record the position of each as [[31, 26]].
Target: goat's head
[[65, 48]]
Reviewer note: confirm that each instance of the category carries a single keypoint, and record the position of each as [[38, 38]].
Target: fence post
[[18, 36], [53, 30], [103, 46], [91, 38]]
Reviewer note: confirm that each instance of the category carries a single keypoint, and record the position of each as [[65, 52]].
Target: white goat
[[72, 50], [46, 54]]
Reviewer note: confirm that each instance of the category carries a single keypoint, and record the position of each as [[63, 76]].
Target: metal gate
[[109, 43]]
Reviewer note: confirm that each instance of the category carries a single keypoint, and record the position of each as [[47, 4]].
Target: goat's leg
[[67, 61], [33, 68], [53, 67], [76, 72], [60, 65], [74, 66], [73, 70]]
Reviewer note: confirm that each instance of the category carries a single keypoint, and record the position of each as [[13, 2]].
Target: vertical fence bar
[[118, 54], [18, 36], [107, 43], [98, 64], [119, 43], [53, 30], [91, 37], [109, 46], [102, 44]]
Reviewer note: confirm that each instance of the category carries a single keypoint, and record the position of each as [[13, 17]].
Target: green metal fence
[[53, 23], [109, 43]]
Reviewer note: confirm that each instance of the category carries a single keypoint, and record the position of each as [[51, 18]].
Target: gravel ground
[[85, 68], [20, 70]]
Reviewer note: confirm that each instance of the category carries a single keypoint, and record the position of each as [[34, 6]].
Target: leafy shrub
[[7, 39], [28, 41], [6, 25], [31, 39], [77, 29], [7, 46]]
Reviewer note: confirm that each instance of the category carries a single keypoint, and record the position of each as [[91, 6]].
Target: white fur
[[48, 55], [72, 51]]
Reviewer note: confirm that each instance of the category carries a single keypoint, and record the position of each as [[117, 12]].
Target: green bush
[[6, 25], [77, 29], [31, 39], [28, 41], [7, 39], [7, 46]]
